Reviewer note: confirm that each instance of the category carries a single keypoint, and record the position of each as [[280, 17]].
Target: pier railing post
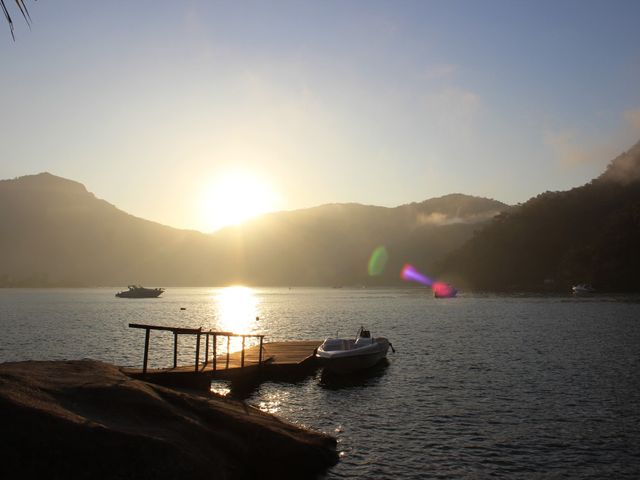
[[215, 351], [175, 349], [206, 351], [197, 350], [146, 350], [198, 332]]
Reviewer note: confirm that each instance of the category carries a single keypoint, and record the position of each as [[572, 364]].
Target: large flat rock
[[87, 419]]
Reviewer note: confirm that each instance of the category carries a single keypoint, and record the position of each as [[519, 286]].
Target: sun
[[236, 197]]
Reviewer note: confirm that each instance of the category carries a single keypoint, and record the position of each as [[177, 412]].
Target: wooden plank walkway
[[265, 360], [290, 353], [279, 358]]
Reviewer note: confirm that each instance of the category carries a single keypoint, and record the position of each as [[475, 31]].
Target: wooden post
[[242, 355], [175, 349], [146, 350], [260, 357], [206, 351], [215, 351], [197, 350], [228, 341]]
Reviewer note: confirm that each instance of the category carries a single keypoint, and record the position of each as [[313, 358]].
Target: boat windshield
[[364, 333]]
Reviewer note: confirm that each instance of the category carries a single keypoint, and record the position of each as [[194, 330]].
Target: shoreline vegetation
[[88, 419]]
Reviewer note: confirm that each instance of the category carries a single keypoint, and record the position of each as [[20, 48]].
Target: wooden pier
[[273, 360]]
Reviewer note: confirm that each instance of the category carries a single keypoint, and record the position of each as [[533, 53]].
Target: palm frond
[[23, 10]]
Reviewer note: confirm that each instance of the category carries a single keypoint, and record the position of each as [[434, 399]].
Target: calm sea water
[[480, 386]]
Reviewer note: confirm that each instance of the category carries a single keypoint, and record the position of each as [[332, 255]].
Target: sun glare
[[237, 309], [235, 198]]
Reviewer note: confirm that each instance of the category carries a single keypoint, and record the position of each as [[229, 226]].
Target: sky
[[188, 112]]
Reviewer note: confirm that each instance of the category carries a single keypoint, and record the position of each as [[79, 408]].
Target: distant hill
[[331, 244], [53, 232], [557, 239]]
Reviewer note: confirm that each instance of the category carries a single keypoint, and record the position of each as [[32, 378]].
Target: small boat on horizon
[[582, 289], [344, 356], [137, 291]]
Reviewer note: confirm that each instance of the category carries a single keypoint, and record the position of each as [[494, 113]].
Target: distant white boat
[[346, 356], [582, 289], [136, 291]]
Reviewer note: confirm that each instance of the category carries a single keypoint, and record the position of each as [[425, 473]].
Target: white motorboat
[[582, 289], [136, 291], [345, 356]]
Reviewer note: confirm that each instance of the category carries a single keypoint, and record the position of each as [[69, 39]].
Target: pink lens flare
[[410, 274], [443, 290], [440, 289]]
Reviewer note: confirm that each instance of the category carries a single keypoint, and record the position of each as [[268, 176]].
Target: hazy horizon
[[165, 108], [432, 219]]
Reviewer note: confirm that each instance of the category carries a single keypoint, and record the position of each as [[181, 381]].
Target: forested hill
[[53, 232], [590, 234]]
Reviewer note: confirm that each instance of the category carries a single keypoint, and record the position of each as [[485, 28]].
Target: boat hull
[[344, 362]]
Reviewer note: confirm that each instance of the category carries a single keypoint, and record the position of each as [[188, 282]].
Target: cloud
[[573, 148], [453, 104], [633, 119], [569, 151], [444, 70], [438, 218]]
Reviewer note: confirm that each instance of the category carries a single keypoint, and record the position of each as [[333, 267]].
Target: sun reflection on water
[[272, 403], [237, 309], [220, 389]]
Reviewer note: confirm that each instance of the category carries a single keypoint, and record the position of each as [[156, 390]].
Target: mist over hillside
[[589, 234], [56, 233]]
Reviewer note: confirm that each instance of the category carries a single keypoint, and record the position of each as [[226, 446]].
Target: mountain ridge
[[586, 234], [56, 232]]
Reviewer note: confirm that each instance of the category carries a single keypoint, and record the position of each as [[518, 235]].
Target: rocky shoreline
[[88, 419]]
